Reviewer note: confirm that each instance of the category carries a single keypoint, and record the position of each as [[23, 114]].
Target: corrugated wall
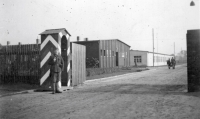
[[159, 59], [108, 50]]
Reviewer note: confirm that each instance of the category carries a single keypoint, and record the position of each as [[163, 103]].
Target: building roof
[[103, 39], [123, 42], [151, 52], [139, 50], [53, 31], [86, 41]]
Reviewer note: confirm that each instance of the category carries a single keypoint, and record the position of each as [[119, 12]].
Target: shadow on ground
[[15, 87], [142, 89]]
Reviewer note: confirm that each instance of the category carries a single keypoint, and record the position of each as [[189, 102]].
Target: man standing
[[173, 62], [168, 62], [57, 66]]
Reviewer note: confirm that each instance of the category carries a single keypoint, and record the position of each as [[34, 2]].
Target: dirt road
[[159, 93]]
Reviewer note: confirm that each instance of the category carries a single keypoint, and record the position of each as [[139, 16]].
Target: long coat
[[57, 65], [168, 62]]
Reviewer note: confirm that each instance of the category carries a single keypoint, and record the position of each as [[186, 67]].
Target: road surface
[[158, 93]]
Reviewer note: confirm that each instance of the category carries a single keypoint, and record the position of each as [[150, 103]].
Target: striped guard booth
[[50, 40]]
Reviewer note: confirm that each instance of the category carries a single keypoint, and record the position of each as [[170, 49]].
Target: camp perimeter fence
[[20, 64]]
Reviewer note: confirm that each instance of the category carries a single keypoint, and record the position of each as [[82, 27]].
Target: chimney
[[0, 46], [86, 39], [37, 41], [19, 43], [8, 42], [78, 38]]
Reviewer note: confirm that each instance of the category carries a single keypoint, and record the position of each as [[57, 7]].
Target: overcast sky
[[130, 21]]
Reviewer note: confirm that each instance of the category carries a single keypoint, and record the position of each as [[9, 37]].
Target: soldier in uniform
[[173, 62], [57, 66], [168, 62]]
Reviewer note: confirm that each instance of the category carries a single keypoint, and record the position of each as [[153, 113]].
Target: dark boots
[[54, 88]]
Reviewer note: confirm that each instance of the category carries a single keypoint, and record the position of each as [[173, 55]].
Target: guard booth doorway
[[64, 56]]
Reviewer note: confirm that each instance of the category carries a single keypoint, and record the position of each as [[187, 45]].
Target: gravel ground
[[159, 93]]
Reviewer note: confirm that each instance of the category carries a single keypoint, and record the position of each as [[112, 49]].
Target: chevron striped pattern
[[68, 62], [48, 44], [45, 47]]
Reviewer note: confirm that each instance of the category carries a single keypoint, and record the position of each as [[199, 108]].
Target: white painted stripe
[[68, 83], [68, 67], [45, 59], [60, 34], [58, 46], [46, 75], [67, 36], [49, 38], [68, 51]]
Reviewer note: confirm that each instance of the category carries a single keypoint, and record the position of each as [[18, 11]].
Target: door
[[117, 60]]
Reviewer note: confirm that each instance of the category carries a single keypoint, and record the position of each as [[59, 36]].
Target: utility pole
[[153, 45]]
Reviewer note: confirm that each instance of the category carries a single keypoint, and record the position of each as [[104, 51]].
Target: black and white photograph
[[99, 59]]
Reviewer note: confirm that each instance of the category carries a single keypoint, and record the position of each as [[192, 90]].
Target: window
[[104, 52], [122, 54], [138, 59]]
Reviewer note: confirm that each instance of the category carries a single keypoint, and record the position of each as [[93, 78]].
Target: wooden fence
[[20, 63], [78, 64]]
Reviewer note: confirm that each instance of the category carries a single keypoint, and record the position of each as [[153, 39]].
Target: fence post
[[19, 63], [8, 43], [6, 67]]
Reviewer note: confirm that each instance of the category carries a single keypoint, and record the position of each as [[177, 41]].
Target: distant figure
[[172, 63], [168, 62], [57, 66]]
